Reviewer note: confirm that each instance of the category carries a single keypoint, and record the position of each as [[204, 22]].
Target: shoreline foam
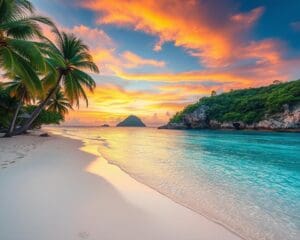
[[59, 195], [140, 180], [136, 159]]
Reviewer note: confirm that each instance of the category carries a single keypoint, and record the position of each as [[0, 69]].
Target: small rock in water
[[44, 135]]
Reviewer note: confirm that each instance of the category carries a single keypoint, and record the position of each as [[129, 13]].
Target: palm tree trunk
[[39, 108], [13, 122]]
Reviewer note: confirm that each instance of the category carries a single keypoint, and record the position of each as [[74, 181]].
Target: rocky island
[[131, 121], [274, 107]]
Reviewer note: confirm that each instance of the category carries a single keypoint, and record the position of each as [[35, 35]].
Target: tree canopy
[[247, 105]]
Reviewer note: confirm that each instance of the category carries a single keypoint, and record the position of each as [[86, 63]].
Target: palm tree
[[59, 103], [68, 59], [18, 55], [3, 96], [18, 90], [7, 104]]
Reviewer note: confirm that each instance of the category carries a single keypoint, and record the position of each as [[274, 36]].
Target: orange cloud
[[188, 24], [110, 60], [106, 95], [216, 41], [192, 89], [268, 53], [134, 60], [103, 50], [194, 76], [229, 61], [263, 71], [268, 50], [110, 103]]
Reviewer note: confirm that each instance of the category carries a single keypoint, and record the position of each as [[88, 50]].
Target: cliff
[[131, 121], [275, 107]]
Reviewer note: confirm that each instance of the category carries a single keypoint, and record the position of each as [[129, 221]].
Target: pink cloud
[[104, 49], [249, 18], [93, 37]]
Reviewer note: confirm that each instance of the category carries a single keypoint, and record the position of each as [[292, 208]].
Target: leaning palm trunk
[[39, 108], [69, 57], [13, 122]]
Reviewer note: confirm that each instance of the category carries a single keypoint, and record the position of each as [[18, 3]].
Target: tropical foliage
[[45, 117], [19, 91], [18, 53], [53, 75], [66, 61], [59, 103], [247, 105], [8, 105]]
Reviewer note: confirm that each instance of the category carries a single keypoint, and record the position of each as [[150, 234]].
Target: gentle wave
[[247, 181]]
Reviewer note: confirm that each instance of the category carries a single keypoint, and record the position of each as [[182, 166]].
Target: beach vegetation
[[8, 105], [46, 117], [43, 79], [68, 60], [19, 91], [248, 105], [19, 54], [59, 103]]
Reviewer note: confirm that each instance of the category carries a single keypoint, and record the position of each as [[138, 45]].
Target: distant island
[[131, 121], [104, 125], [274, 107]]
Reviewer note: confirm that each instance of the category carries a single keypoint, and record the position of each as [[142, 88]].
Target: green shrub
[[7, 106], [45, 117]]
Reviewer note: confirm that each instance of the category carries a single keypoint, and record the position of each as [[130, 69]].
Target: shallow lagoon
[[248, 181]]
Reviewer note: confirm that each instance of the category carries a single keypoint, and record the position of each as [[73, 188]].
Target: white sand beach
[[58, 188]]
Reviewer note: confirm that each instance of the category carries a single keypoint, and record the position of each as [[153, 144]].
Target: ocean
[[248, 181]]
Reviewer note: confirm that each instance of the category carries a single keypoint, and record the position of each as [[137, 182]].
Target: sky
[[155, 57]]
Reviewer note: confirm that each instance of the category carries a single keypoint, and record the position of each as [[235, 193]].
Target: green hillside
[[247, 105]]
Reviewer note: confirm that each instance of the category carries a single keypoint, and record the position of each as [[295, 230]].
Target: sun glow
[[157, 56]]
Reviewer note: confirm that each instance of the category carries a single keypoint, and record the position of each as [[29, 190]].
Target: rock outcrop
[[197, 119], [288, 119], [131, 121]]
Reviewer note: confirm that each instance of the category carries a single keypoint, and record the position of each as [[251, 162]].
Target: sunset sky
[[155, 57]]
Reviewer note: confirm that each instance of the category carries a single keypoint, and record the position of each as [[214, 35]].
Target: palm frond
[[70, 89], [54, 55], [85, 79], [29, 51], [24, 69], [25, 5], [26, 27], [6, 59], [17, 89], [87, 65], [50, 77], [59, 103], [82, 94], [16, 65], [10, 10]]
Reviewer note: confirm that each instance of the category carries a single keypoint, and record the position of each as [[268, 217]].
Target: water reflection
[[248, 181]]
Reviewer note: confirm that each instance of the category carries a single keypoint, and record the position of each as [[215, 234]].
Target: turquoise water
[[247, 181]]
